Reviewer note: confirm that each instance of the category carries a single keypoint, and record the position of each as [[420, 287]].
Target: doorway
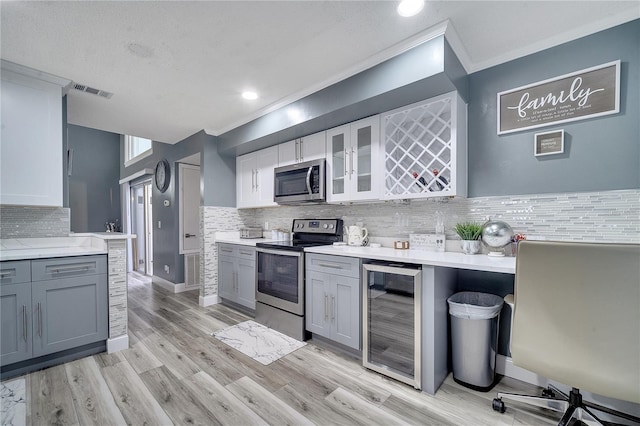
[[141, 220]]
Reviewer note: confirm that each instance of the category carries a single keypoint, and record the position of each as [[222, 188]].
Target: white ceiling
[[177, 67]]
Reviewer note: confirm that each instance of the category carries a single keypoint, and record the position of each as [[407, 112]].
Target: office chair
[[576, 321]]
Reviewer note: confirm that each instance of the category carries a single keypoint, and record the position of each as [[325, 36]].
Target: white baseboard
[[209, 300], [119, 343], [169, 286]]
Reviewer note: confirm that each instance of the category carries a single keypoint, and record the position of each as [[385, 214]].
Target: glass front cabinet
[[352, 152]]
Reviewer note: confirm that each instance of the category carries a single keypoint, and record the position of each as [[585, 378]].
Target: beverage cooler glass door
[[280, 279], [392, 321]]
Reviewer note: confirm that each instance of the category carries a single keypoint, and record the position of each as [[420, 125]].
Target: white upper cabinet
[[352, 156], [424, 148], [307, 148], [31, 153], [254, 178]]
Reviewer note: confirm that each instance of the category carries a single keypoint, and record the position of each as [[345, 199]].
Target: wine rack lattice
[[418, 150]]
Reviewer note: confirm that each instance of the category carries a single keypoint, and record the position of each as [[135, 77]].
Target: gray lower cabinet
[[60, 304], [237, 274], [333, 302], [15, 311]]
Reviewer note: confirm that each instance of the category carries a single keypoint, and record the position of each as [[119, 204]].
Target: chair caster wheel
[[548, 393], [498, 405]]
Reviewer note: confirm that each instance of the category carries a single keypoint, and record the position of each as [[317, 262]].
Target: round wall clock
[[163, 175]]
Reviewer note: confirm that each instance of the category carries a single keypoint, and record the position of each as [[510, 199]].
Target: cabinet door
[[246, 278], [267, 160], [246, 180], [69, 312], [31, 150], [338, 149], [363, 159], [15, 315], [312, 147], [317, 303], [227, 278], [345, 311], [288, 153]]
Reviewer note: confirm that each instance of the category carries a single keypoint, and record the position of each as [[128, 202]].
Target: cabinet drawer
[[15, 272], [227, 250], [64, 267], [336, 265], [237, 250], [248, 253]]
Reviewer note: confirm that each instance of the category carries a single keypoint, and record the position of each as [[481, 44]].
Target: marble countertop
[[42, 248], [477, 262], [105, 235]]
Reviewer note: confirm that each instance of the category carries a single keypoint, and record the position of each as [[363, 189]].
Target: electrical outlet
[[536, 237], [166, 268]]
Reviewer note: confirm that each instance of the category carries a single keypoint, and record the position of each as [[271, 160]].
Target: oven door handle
[[279, 252], [309, 180]]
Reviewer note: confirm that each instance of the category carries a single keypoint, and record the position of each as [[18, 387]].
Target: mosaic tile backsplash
[[607, 216], [34, 222]]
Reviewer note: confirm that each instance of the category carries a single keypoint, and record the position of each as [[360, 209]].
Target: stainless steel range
[[280, 274]]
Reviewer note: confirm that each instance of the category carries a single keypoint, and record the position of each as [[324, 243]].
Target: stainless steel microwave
[[300, 183]]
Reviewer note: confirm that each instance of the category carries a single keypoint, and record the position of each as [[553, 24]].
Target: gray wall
[[94, 192], [600, 153], [218, 174], [217, 186]]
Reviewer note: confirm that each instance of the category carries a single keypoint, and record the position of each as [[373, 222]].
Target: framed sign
[[588, 93], [548, 143]]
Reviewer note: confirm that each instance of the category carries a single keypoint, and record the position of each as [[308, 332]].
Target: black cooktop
[[309, 233], [291, 245]]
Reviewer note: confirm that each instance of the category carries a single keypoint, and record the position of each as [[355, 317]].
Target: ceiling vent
[[91, 90]]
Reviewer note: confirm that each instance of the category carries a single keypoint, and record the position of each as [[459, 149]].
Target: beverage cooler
[[392, 320]]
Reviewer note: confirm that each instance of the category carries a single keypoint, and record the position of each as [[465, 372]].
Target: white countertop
[[105, 235], [41, 248], [233, 237], [477, 262]]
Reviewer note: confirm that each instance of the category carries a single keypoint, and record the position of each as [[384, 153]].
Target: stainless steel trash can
[[474, 337]]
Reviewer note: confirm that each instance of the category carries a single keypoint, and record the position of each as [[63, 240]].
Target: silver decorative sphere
[[496, 235]]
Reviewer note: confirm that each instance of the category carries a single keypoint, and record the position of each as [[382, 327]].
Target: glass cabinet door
[[364, 142], [338, 156]]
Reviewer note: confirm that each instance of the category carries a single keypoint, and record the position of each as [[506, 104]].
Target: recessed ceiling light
[[408, 8], [250, 95]]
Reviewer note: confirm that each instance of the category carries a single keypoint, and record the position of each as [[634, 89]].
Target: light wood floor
[[175, 373]]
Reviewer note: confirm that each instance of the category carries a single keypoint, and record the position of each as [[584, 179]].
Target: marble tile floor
[[13, 402], [257, 341], [175, 373]]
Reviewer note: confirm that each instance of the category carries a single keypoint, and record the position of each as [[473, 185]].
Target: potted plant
[[470, 233]]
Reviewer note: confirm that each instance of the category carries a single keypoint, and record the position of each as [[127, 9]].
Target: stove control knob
[[331, 226], [325, 226], [301, 225]]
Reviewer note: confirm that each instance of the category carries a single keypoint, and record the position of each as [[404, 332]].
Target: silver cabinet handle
[[346, 169], [253, 180], [297, 150], [257, 179], [39, 319], [190, 235], [326, 305], [235, 279], [24, 322], [330, 265], [74, 268], [333, 308], [7, 273], [353, 154], [247, 253], [300, 149]]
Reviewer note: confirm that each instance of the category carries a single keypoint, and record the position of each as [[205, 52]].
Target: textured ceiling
[[177, 67]]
